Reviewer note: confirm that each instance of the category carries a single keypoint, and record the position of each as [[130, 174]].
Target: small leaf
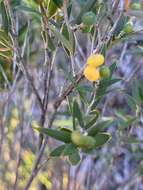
[[22, 33], [24, 8], [124, 120], [59, 3], [68, 34], [52, 8], [61, 38], [69, 9], [113, 68], [69, 149], [87, 7], [63, 150], [101, 139], [5, 18], [50, 43], [77, 115], [64, 136], [141, 93], [135, 91], [86, 88], [99, 126], [123, 20], [93, 119], [58, 151], [131, 140], [74, 158], [131, 102], [104, 84]]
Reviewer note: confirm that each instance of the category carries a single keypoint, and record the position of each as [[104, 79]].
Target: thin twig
[[70, 34], [21, 63], [68, 90]]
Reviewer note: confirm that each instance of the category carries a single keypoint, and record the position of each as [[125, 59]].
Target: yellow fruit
[[91, 73], [95, 60]]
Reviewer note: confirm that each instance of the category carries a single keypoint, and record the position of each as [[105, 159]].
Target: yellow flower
[[95, 60], [91, 73]]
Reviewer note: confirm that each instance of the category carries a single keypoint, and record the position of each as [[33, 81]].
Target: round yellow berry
[[95, 60], [91, 73]]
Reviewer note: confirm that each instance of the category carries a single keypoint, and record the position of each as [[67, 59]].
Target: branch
[[68, 90]]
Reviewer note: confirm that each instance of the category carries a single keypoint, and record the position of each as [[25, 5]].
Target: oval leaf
[[61, 38], [101, 139], [74, 158], [63, 136], [99, 126]]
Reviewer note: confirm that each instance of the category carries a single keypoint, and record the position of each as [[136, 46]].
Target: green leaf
[[22, 33], [25, 9], [63, 136], [86, 88], [69, 9], [5, 18], [123, 20], [102, 89], [68, 34], [93, 119], [69, 77], [104, 84], [58, 151], [59, 3], [61, 38], [5, 39], [69, 149], [5, 48], [87, 7], [63, 150], [77, 115], [99, 126], [50, 43], [124, 120], [52, 8], [113, 68], [131, 140], [104, 49], [135, 91], [131, 102], [74, 158], [141, 93], [101, 139]]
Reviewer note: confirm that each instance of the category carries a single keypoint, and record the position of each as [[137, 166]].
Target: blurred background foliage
[[116, 165]]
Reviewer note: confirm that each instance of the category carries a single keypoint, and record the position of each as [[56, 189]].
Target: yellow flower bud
[[95, 60], [91, 73]]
